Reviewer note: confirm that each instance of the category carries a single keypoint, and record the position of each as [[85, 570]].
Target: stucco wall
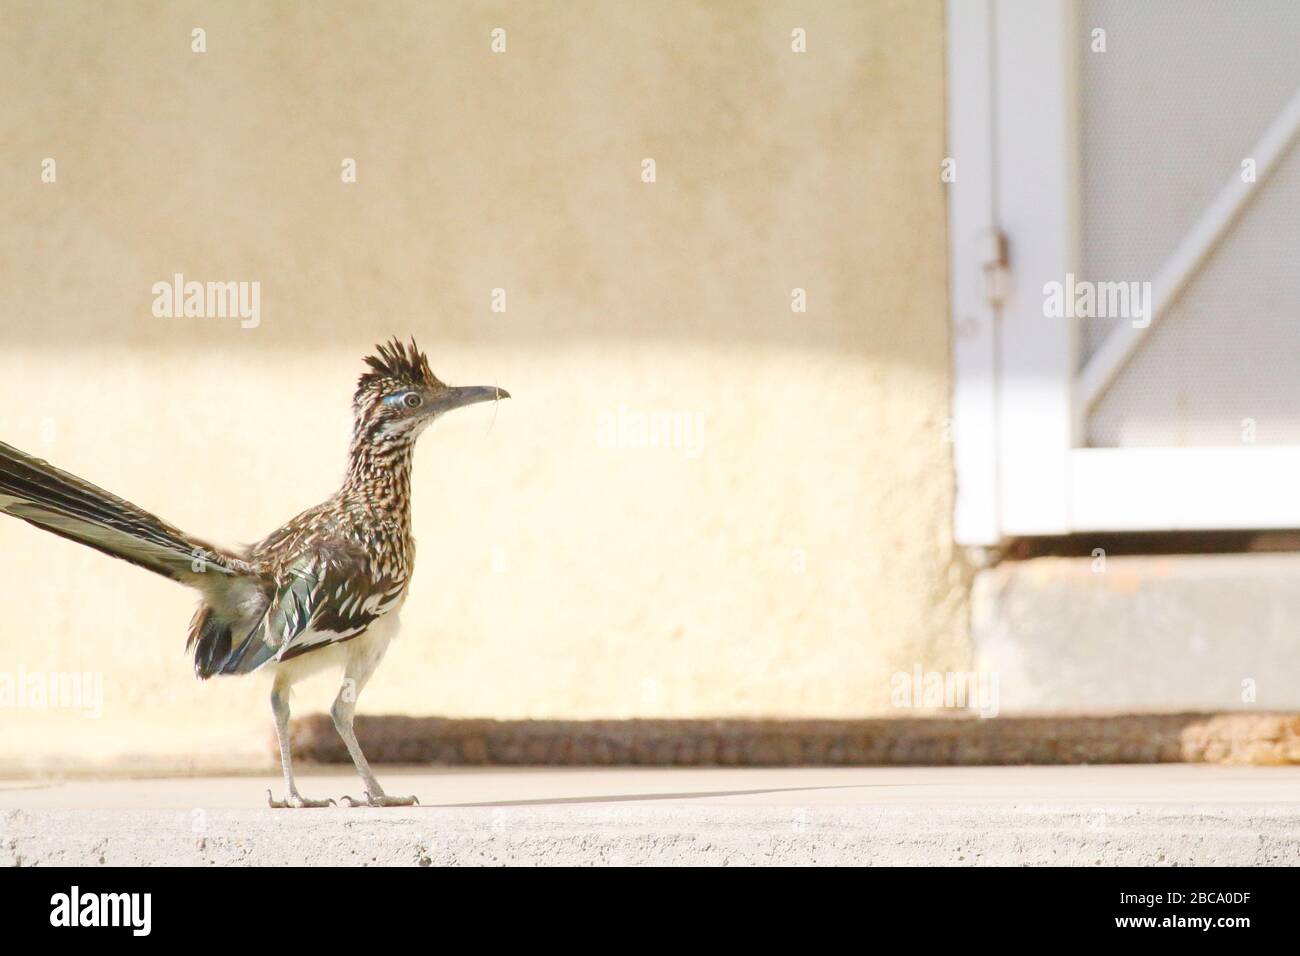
[[786, 565]]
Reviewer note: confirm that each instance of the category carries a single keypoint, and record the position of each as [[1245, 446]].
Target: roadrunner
[[322, 591]]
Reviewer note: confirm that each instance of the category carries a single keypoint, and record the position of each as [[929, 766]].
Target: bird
[[322, 591]]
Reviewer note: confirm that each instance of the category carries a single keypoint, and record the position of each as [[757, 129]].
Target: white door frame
[[1019, 400]]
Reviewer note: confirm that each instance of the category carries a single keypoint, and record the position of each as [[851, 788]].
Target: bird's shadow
[[692, 795]]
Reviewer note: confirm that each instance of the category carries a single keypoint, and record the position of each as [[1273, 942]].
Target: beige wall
[[635, 582]]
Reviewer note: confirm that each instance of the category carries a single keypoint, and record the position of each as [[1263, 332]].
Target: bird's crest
[[400, 363]]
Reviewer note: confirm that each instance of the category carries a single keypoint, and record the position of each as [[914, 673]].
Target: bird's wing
[[322, 598]]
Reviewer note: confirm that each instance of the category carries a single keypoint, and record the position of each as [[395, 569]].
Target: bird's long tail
[[42, 495]]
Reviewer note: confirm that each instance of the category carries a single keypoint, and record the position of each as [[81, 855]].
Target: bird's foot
[[296, 801], [381, 800]]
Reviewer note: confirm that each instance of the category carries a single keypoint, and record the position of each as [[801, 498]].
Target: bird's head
[[400, 395]]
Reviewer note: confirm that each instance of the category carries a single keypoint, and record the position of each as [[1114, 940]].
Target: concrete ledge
[[952, 741], [1140, 634], [884, 836], [1142, 816]]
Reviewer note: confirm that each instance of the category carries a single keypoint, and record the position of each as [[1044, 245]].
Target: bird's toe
[[381, 800], [295, 801]]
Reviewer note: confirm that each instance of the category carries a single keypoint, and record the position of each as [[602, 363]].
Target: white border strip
[[971, 220], [1185, 489]]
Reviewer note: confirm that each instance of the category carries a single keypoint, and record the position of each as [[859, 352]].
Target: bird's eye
[[412, 400]]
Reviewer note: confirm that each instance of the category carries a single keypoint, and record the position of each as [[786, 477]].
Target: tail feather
[[210, 642], [31, 490], [63, 504]]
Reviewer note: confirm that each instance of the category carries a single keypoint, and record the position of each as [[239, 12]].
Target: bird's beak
[[458, 396]]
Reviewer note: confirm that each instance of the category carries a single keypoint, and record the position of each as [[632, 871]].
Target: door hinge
[[997, 272]]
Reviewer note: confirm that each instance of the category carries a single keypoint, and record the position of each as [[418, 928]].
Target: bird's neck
[[379, 476]]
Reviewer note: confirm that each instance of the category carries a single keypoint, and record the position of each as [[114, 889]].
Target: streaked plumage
[[323, 590]]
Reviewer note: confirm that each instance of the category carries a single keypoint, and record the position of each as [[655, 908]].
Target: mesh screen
[[1168, 113]]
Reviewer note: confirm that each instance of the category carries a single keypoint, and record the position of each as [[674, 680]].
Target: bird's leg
[[345, 706], [293, 799]]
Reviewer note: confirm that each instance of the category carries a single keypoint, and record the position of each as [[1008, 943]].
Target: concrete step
[[1132, 634]]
